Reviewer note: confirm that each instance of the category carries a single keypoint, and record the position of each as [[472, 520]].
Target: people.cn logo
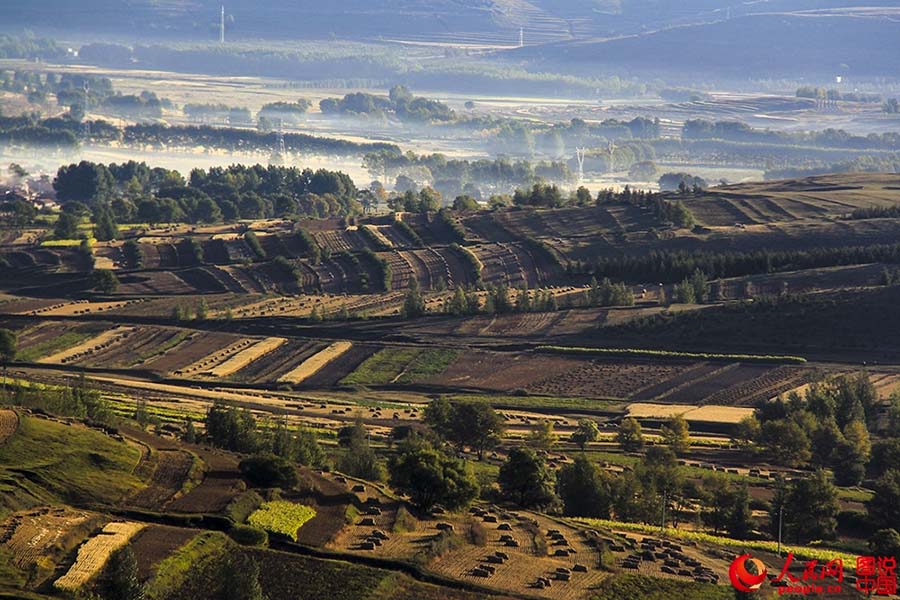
[[744, 580]]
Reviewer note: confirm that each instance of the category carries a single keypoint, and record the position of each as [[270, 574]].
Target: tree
[[476, 425], [810, 508], [676, 434], [629, 435], [584, 489], [105, 281], [240, 578], [465, 203], [885, 542], [785, 442], [718, 499], [851, 454], [428, 476], [85, 182], [542, 436], [414, 303], [105, 227], [66, 227], [439, 416], [7, 345], [189, 435], [884, 506], [232, 429], [586, 432], [122, 583], [525, 479], [268, 470], [746, 432], [142, 414], [359, 460], [740, 517]]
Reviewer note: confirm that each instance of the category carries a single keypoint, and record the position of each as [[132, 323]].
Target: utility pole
[[222, 25], [780, 519]]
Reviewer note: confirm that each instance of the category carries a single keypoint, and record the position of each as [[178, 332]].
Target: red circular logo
[[744, 580]]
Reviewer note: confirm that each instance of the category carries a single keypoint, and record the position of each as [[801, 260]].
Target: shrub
[[248, 536], [408, 231], [628, 352], [253, 241], [268, 470]]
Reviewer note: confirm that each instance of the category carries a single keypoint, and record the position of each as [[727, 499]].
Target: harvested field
[[39, 533], [769, 385], [156, 542], [9, 421], [94, 553], [278, 362], [602, 379], [68, 309], [719, 379], [885, 384], [246, 356], [172, 471], [195, 347], [116, 335], [50, 338], [315, 363], [340, 367], [346, 240], [143, 344], [713, 414]]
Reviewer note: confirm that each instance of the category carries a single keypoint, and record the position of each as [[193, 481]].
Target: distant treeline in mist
[[64, 133]]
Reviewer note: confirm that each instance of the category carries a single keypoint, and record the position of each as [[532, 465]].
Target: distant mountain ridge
[[451, 21]]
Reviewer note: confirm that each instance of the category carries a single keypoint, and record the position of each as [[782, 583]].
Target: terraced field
[[94, 553], [171, 471], [315, 363], [601, 379]]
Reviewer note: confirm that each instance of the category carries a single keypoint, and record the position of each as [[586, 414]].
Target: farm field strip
[[246, 356], [9, 421], [35, 533], [101, 341], [378, 232], [208, 361], [281, 517], [94, 553], [709, 413], [316, 362]]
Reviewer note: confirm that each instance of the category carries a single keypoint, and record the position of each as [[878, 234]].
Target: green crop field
[[382, 367], [427, 363], [53, 345], [281, 517]]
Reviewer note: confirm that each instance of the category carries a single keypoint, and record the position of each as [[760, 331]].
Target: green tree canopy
[[526, 480]]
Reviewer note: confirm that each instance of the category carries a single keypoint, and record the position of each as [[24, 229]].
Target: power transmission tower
[[580, 153], [222, 25], [611, 151], [521, 37]]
